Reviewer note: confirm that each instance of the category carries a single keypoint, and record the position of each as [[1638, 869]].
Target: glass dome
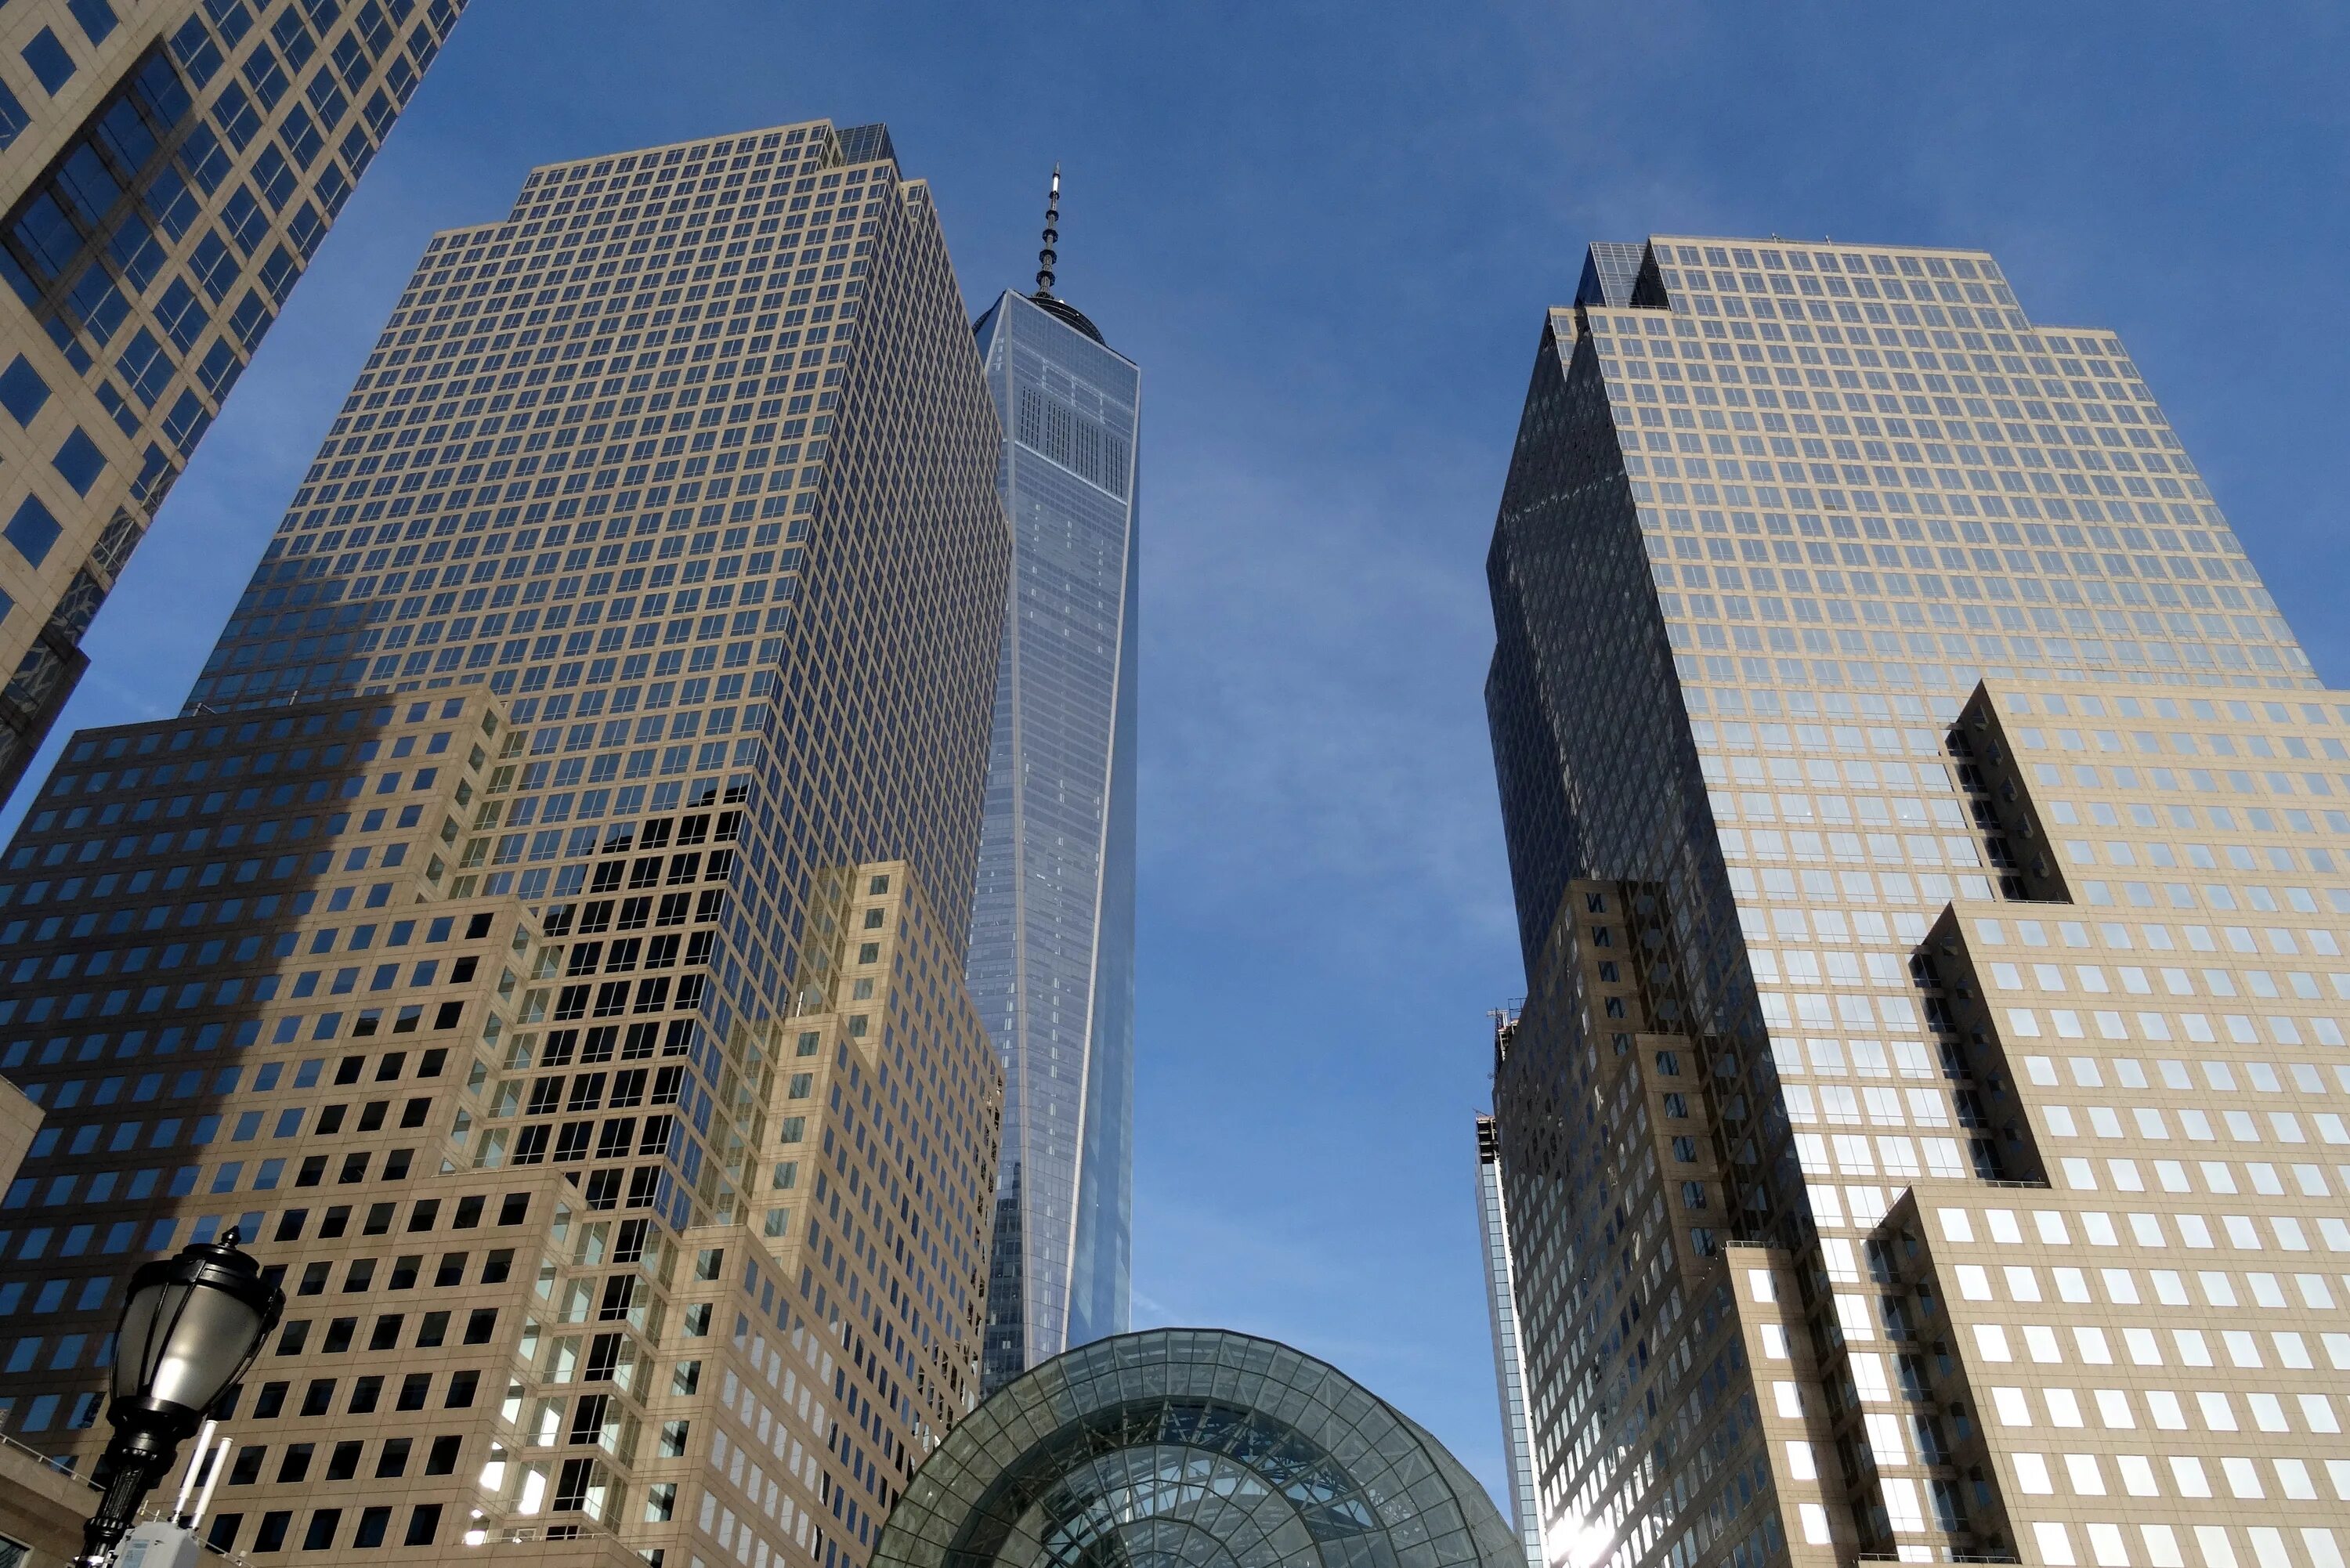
[[1192, 1449]]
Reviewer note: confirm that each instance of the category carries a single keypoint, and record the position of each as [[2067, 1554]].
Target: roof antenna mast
[[1047, 256], [1044, 299]]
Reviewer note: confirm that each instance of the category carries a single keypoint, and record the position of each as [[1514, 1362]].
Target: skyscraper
[[555, 896], [171, 168], [1509, 1361], [1918, 1138], [1052, 942]]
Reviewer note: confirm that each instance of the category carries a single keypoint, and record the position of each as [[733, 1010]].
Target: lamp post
[[191, 1325]]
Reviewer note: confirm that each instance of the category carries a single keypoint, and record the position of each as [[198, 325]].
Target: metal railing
[[61, 1463]]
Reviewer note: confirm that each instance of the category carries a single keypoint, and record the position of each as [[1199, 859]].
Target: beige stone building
[[542, 935], [418, 1097], [1922, 1135], [167, 169]]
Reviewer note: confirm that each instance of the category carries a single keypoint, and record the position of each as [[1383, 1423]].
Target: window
[[144, 368], [32, 530], [187, 421], [277, 274], [247, 224], [274, 177], [184, 318], [49, 61], [78, 461], [22, 390], [96, 17], [219, 369], [13, 118]]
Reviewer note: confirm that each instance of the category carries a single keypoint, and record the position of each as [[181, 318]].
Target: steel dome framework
[[1192, 1449]]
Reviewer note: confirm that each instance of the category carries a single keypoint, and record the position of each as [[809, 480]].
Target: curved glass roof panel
[[1192, 1449]]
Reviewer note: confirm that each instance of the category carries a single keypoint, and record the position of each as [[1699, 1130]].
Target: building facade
[[1928, 866], [1193, 1446], [1052, 945], [171, 168], [636, 681], [41, 1509], [1509, 1361]]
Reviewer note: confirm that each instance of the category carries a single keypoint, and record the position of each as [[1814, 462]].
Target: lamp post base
[[138, 1457]]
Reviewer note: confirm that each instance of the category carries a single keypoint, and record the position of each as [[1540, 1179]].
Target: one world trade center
[[1052, 945]]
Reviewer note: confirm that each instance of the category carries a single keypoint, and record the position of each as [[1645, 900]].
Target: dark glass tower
[[1052, 944]]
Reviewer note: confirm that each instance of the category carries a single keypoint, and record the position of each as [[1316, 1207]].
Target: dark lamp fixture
[[190, 1326]]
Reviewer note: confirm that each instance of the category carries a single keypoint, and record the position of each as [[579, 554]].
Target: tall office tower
[[1509, 1361], [595, 963], [1052, 938], [1922, 1137], [170, 169]]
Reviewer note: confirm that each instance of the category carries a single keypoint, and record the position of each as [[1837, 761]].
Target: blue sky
[[1327, 232]]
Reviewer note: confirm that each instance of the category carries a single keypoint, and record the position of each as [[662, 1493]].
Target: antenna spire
[[1047, 256]]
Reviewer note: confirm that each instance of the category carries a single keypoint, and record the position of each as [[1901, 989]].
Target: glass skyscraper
[[541, 936], [1923, 1136], [1052, 942], [167, 169], [1501, 1307]]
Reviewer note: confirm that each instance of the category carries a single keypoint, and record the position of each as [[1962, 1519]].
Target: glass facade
[[1855, 636], [1509, 1364], [556, 890], [1052, 948], [1193, 1446], [170, 170]]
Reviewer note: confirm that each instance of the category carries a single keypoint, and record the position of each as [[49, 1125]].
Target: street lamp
[[190, 1326]]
